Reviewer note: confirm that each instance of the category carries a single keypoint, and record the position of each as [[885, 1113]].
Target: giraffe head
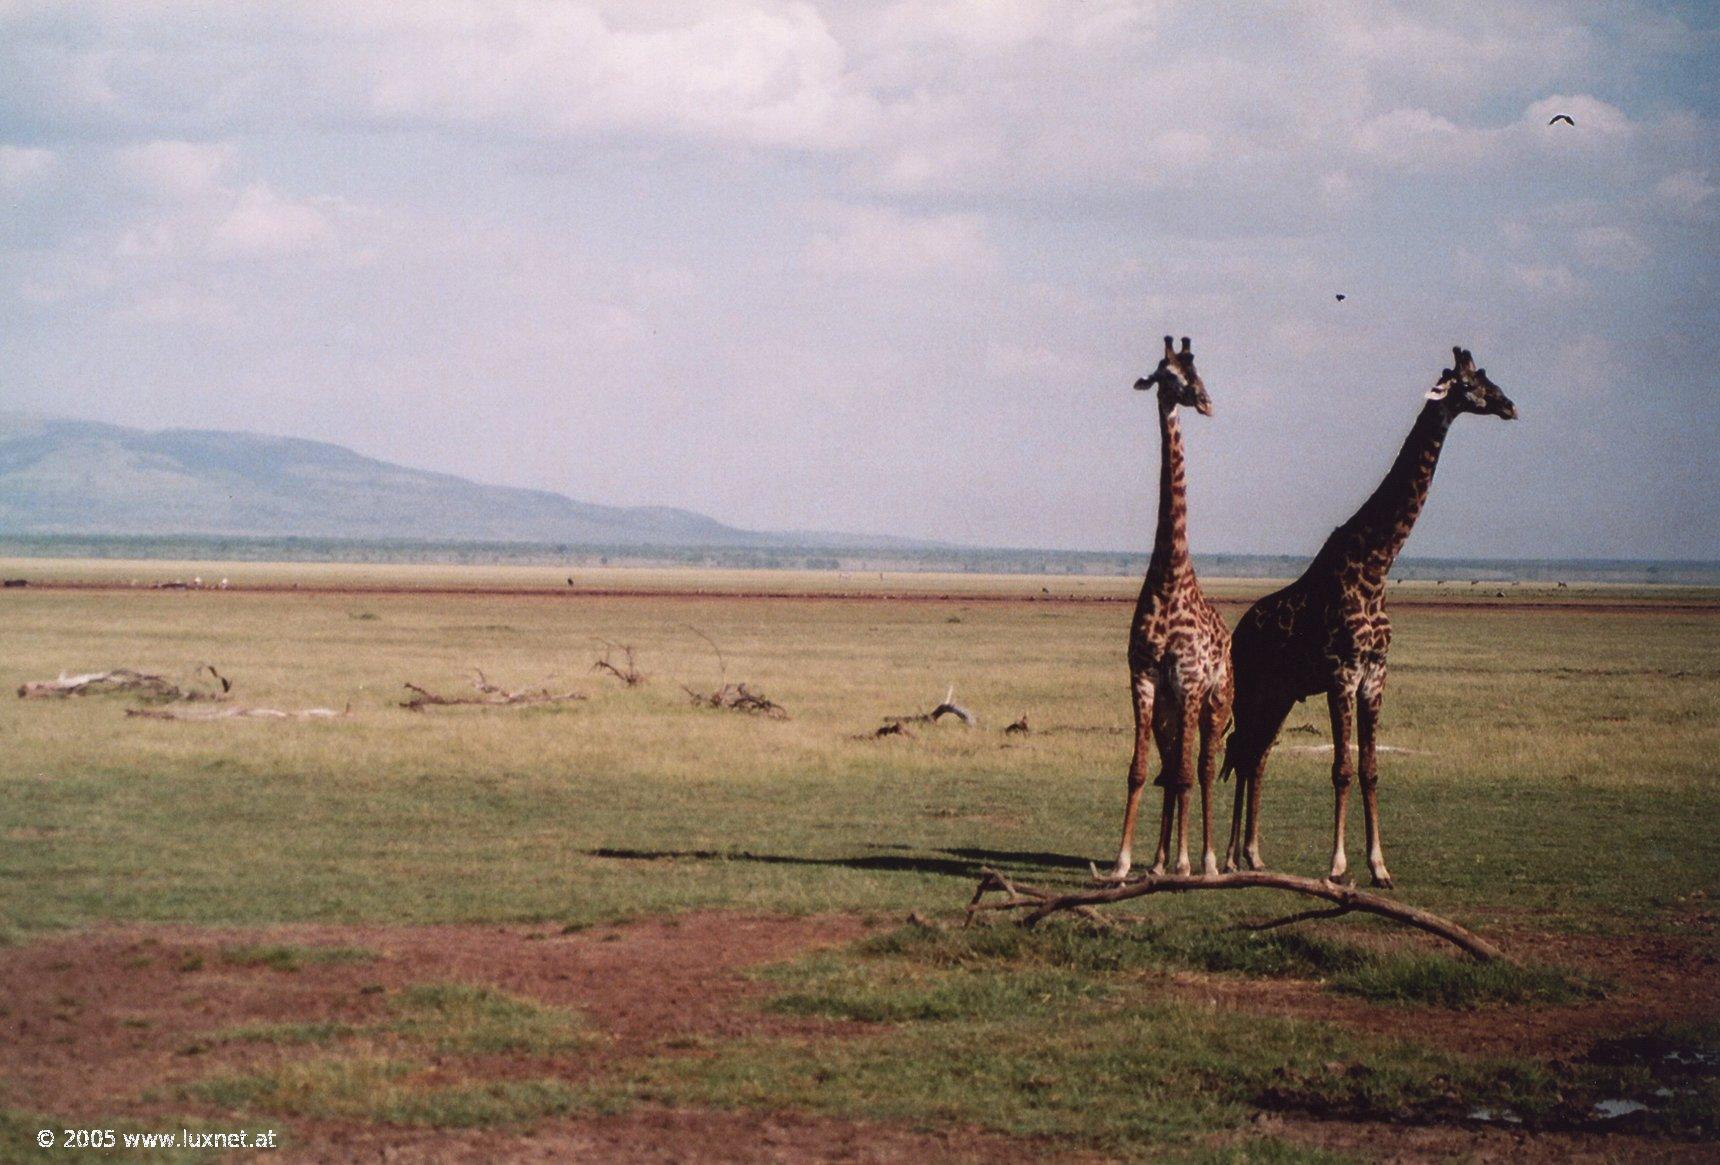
[[1465, 389], [1177, 381]]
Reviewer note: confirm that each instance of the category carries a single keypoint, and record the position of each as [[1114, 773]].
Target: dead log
[[147, 685], [1019, 726], [235, 712], [1041, 903], [489, 696], [949, 707], [738, 698], [628, 673]]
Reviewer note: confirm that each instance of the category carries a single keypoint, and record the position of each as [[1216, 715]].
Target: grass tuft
[[1416, 977], [374, 1088], [292, 958], [454, 1017], [285, 1034]]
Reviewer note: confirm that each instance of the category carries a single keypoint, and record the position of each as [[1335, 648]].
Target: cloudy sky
[[893, 267]]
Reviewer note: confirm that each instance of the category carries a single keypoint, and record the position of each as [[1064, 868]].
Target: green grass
[[292, 958], [382, 1090], [1389, 975], [455, 1017], [1561, 762], [446, 1018], [1559, 777], [285, 1034], [1070, 1034]]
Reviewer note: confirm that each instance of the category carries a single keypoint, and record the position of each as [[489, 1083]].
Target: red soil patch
[[655, 1135], [101, 1014], [97, 1019]]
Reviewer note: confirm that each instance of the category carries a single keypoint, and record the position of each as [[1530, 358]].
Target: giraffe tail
[[1227, 768]]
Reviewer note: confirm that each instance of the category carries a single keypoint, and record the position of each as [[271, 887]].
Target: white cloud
[[261, 223], [178, 169], [1553, 278], [26, 167], [1688, 193], [760, 73], [879, 243], [1612, 247]]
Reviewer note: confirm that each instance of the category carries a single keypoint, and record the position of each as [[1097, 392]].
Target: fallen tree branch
[[948, 708], [738, 698], [489, 696], [628, 674], [147, 685], [1291, 919], [1040, 903], [236, 712]]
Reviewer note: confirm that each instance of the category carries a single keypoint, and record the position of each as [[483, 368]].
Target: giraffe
[[1179, 665], [1328, 631]]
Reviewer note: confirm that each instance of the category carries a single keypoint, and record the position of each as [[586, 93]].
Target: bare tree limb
[[235, 712], [722, 665], [628, 673], [1040, 903], [738, 698], [1291, 919], [489, 696], [147, 685], [949, 707]]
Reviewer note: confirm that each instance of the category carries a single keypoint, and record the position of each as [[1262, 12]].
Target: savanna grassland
[[629, 925]]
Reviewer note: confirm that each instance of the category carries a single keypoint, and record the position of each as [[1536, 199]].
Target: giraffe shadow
[[966, 864]]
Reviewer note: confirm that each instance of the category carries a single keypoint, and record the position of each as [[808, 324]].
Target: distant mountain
[[82, 477]]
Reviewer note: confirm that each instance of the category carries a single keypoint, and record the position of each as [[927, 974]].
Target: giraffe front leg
[[1367, 727], [1341, 703], [1137, 780], [1188, 737], [1211, 725]]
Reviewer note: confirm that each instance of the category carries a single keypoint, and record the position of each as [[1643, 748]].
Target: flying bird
[[1341, 297], [1564, 117]]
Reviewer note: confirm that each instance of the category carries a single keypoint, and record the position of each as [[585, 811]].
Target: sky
[[893, 267]]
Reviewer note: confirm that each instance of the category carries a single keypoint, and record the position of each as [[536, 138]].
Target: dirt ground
[[1419, 601], [106, 1014]]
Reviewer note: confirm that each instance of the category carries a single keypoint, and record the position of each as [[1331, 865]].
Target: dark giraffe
[[1179, 650], [1328, 632]]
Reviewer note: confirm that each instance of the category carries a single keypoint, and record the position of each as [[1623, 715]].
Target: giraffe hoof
[[1382, 881], [1341, 878], [1112, 877]]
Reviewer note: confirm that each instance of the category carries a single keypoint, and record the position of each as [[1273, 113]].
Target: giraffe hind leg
[[1258, 721]]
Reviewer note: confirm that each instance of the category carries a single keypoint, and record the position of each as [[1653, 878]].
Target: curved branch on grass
[[489, 696], [1040, 903]]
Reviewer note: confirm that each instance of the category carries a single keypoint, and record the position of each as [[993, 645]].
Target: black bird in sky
[[1341, 297], [1564, 117]]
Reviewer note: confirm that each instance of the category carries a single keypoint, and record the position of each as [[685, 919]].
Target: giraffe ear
[[1443, 388]]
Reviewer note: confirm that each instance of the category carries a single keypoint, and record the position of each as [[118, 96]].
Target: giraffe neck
[[1170, 546], [1372, 538]]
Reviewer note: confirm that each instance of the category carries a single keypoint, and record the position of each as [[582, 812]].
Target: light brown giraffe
[[1179, 650], [1328, 631]]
